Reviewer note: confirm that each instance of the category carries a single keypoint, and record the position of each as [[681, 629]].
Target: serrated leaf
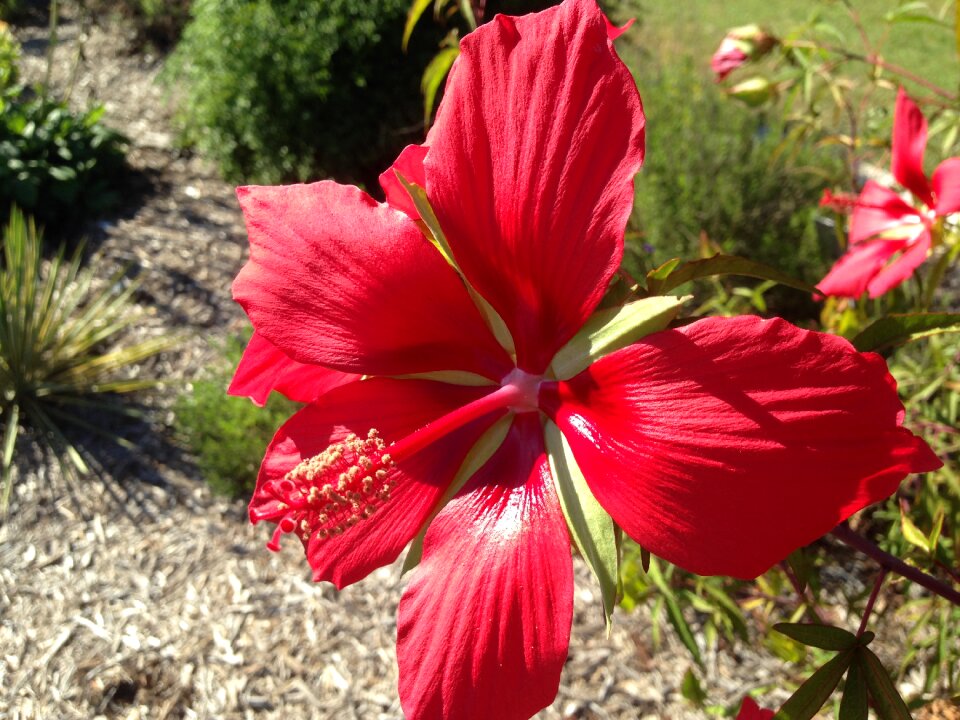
[[720, 265], [417, 9], [826, 637], [591, 527], [899, 329], [912, 533], [853, 704], [811, 696], [612, 329], [886, 700]]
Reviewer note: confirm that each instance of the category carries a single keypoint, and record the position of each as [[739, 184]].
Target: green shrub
[[58, 351], [228, 434], [276, 90], [714, 167], [9, 55], [60, 165]]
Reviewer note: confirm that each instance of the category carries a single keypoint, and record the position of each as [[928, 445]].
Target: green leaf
[[853, 705], [886, 700], [826, 637], [417, 8], [912, 533], [811, 696], [433, 76], [660, 282], [6, 459], [900, 329], [591, 527], [691, 690], [612, 329], [674, 611], [934, 538], [912, 12]]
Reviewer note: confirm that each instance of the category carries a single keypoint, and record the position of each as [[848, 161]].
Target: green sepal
[[451, 377], [810, 697], [590, 526], [899, 329], [612, 329], [482, 451], [435, 235], [672, 274], [826, 637]]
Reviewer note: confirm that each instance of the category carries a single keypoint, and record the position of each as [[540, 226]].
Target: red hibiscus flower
[[890, 238], [465, 393], [749, 710]]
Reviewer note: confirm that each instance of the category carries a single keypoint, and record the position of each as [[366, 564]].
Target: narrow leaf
[[674, 612], [612, 329], [900, 329], [433, 77], [886, 700], [590, 525], [417, 9], [853, 705], [720, 265], [826, 637], [6, 466], [811, 696], [912, 533]]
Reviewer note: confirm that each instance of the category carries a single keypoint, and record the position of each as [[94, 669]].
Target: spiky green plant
[[58, 354]]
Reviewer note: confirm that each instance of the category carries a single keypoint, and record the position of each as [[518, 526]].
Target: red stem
[[873, 598]]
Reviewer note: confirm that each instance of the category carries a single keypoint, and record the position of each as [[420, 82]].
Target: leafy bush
[[278, 90], [58, 327], [9, 55], [715, 168], [60, 165], [227, 434]]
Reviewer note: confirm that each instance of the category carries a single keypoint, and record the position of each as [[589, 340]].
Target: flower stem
[[891, 563], [873, 598]]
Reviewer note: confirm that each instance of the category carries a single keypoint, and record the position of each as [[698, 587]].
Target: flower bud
[[741, 44], [754, 91]]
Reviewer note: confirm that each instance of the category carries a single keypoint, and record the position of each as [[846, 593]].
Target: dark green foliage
[[712, 167], [57, 164], [228, 434], [278, 90]]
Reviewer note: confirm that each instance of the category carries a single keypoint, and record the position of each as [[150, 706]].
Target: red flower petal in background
[[903, 266], [722, 458], [483, 627], [264, 368], [395, 408], [946, 187], [336, 279], [749, 710], [909, 144], [530, 169], [879, 210], [851, 275]]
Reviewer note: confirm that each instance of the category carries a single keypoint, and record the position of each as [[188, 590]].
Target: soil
[[135, 593]]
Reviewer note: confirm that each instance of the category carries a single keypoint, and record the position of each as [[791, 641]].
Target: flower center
[[325, 495]]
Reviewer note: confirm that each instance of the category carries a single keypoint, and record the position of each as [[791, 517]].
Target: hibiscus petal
[[851, 275], [878, 210], [909, 144], [749, 710], [946, 186], [484, 626], [901, 267], [409, 164], [395, 408], [725, 445], [264, 367], [338, 280], [530, 169]]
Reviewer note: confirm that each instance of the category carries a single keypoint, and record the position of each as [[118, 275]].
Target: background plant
[[61, 355]]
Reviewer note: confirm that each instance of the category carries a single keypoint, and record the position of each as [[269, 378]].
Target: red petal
[[531, 166], [613, 32], [338, 280], [264, 367], [851, 275], [946, 186], [725, 445], [728, 57], [410, 165], [902, 267], [395, 408], [749, 710], [909, 143], [484, 626], [877, 210]]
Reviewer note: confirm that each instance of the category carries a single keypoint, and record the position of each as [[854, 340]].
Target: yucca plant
[[58, 357]]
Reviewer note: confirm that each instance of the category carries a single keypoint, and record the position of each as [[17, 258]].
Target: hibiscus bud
[[741, 44], [755, 91]]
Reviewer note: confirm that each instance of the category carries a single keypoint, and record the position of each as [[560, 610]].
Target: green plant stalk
[[937, 272]]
